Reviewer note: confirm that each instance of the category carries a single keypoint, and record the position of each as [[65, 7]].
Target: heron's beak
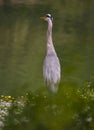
[[43, 17]]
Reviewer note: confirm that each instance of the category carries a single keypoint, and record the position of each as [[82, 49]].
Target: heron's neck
[[50, 47]]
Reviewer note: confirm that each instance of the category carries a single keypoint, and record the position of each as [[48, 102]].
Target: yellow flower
[[1, 100], [8, 96]]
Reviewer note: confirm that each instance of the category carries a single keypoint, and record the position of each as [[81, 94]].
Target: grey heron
[[51, 66]]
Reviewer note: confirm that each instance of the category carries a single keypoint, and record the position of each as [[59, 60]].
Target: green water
[[22, 51], [23, 45]]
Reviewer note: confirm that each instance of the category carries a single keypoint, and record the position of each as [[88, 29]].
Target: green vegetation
[[73, 110], [22, 50]]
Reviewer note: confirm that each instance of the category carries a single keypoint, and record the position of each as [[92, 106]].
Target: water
[[22, 50], [23, 46]]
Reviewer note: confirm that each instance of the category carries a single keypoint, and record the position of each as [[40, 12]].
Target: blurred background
[[22, 51], [23, 43]]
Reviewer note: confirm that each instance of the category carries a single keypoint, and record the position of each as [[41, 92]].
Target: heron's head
[[47, 17]]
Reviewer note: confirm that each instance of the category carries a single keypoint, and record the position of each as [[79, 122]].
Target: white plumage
[[51, 66]]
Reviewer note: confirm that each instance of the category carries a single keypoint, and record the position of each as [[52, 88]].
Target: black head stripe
[[49, 16]]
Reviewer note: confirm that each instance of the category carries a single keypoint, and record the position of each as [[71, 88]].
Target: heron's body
[[51, 72], [51, 66]]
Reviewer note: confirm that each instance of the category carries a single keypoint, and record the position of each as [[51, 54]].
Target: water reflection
[[23, 45]]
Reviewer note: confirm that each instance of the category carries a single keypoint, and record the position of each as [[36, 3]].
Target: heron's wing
[[51, 69]]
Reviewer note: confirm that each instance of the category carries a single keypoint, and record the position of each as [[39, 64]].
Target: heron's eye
[[49, 16]]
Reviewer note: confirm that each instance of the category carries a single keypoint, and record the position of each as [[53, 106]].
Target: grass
[[22, 50], [39, 111]]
